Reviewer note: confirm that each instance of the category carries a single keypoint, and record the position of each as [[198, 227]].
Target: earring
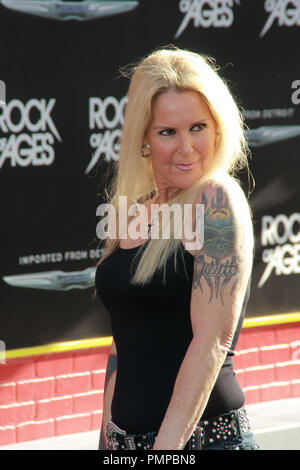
[[146, 151]]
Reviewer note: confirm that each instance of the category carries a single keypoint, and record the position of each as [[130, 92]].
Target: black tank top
[[152, 330]]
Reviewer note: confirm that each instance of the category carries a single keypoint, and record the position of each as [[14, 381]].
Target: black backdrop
[[59, 138]]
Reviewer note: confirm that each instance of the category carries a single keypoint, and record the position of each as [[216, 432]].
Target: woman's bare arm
[[109, 387], [221, 272]]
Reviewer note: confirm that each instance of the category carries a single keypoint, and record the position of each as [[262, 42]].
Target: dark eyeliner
[[169, 131], [202, 125]]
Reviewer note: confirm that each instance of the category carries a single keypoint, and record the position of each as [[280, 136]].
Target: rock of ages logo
[[206, 13], [281, 234], [106, 118], [30, 133], [285, 12]]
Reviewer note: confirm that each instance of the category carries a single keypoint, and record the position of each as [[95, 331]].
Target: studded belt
[[229, 426]]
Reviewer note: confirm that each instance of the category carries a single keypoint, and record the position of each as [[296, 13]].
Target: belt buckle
[[111, 430], [130, 444], [243, 420]]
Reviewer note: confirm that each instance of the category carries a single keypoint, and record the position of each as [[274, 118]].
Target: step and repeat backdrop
[[62, 101]]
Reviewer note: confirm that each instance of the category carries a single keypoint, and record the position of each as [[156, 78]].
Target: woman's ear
[[146, 150], [217, 136], [145, 138]]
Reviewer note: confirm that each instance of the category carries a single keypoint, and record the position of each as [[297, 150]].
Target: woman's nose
[[185, 144]]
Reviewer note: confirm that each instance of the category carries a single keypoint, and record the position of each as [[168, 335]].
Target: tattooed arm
[[109, 387], [221, 273]]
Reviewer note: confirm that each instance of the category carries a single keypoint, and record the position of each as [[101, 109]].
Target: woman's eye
[[198, 127], [167, 132]]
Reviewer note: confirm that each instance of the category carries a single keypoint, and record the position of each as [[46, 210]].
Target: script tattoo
[[217, 263]]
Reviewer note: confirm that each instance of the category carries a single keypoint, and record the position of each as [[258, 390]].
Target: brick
[[295, 350], [98, 379], [54, 407], [275, 353], [267, 336], [259, 375], [248, 339], [288, 333], [16, 413], [54, 366], [295, 388], [35, 389], [35, 430], [19, 371], [246, 358], [276, 391], [97, 420], [88, 362], [287, 370], [256, 337], [7, 435], [89, 401], [72, 383], [7, 393], [75, 423], [252, 395]]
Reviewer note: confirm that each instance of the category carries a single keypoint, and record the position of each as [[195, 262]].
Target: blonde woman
[[177, 307]]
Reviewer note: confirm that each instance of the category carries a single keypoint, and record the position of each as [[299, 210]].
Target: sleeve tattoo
[[217, 263]]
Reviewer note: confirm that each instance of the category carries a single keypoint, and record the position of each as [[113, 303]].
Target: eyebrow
[[200, 121]]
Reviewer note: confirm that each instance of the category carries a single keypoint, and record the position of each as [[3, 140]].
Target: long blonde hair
[[164, 69]]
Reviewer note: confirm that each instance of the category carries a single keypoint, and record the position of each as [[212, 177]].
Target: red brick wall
[[61, 393], [43, 396], [267, 362]]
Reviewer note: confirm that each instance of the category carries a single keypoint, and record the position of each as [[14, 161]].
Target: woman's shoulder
[[225, 213], [224, 192], [222, 182]]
